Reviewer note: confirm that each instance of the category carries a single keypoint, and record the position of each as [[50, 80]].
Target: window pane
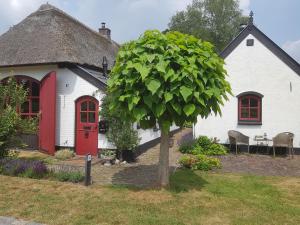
[[245, 102], [92, 117], [92, 106], [245, 113], [253, 102], [83, 117], [26, 84], [84, 106], [254, 113], [35, 89], [25, 107], [35, 105]]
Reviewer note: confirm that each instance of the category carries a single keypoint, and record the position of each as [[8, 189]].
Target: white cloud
[[293, 48], [245, 6]]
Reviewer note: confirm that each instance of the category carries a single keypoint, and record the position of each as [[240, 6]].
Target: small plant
[[204, 142], [13, 154], [22, 167], [64, 154], [199, 162], [187, 147], [74, 177], [204, 146], [106, 153]]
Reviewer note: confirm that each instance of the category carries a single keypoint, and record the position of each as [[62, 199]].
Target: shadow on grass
[[184, 180], [143, 177]]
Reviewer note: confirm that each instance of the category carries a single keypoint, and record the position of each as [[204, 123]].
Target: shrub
[[74, 177], [22, 167], [199, 162], [204, 146], [64, 154], [187, 161], [206, 163], [187, 147]]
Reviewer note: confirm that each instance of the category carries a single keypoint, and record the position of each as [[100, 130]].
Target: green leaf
[[189, 109], [169, 74], [161, 66], [176, 107], [148, 101], [186, 92], [143, 70], [150, 58], [153, 85], [168, 96], [160, 109], [139, 113]]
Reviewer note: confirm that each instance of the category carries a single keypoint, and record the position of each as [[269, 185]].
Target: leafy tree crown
[[167, 78]]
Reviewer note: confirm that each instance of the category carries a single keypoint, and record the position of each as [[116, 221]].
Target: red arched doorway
[[41, 102], [86, 133]]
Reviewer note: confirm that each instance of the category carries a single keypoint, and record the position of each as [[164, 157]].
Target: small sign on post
[[88, 167]]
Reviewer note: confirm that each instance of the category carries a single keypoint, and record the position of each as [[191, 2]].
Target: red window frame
[[30, 97], [252, 108]]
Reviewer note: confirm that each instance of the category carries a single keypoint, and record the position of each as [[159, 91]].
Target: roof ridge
[[48, 7], [266, 41]]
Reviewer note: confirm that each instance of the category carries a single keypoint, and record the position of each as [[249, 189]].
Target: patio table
[[262, 141]]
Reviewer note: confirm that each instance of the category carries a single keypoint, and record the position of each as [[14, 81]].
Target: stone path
[[142, 173], [14, 221]]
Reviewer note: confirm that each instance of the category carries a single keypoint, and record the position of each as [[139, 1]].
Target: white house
[[64, 64], [265, 83]]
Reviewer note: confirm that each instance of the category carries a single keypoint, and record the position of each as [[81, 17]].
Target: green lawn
[[193, 198]]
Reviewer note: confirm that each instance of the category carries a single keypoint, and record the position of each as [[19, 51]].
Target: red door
[[87, 126], [47, 113]]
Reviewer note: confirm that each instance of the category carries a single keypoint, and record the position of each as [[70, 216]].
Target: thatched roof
[[51, 36]]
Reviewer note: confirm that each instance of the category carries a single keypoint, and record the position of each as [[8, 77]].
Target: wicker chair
[[285, 140], [237, 138]]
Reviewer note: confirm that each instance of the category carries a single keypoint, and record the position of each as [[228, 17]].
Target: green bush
[[64, 154], [74, 177], [187, 161], [203, 146], [187, 147], [204, 142], [199, 162]]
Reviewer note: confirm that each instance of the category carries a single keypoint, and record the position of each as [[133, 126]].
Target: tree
[[120, 131], [216, 21], [12, 96], [167, 79]]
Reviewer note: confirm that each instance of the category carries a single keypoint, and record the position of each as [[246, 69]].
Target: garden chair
[[237, 138], [285, 140]]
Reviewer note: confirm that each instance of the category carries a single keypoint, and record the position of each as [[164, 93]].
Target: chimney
[[105, 31]]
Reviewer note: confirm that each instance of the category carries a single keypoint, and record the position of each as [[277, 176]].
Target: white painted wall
[[69, 88], [257, 69]]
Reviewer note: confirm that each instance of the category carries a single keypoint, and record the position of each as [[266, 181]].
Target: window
[[87, 112], [250, 42], [31, 107], [250, 108]]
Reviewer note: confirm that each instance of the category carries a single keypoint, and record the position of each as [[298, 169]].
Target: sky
[[128, 19]]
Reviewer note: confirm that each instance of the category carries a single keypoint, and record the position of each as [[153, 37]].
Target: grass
[[193, 198], [35, 155]]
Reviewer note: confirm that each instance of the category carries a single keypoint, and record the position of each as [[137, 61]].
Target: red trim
[[47, 113], [30, 97], [247, 108]]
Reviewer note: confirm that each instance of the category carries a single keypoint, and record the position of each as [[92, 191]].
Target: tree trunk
[[163, 167]]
